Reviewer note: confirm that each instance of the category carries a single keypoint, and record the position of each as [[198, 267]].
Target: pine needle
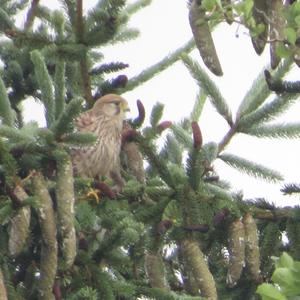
[[251, 168]]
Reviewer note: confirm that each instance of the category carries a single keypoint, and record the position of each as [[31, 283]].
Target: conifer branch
[[14, 134], [209, 87], [64, 124], [80, 37], [125, 35], [48, 262], [172, 150], [31, 15], [250, 167], [108, 68], [285, 131], [227, 138], [198, 106], [70, 8], [156, 114], [290, 188], [134, 7], [155, 160], [182, 136], [280, 86], [259, 90], [6, 23], [79, 139], [6, 111], [266, 112], [150, 72], [45, 83], [60, 89], [194, 168]]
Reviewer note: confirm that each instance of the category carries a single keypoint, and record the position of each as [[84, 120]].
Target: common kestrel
[[105, 120]]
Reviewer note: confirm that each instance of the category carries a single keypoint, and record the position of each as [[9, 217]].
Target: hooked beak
[[124, 107]]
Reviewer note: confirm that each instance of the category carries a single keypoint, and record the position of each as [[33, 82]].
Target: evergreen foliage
[[175, 230]]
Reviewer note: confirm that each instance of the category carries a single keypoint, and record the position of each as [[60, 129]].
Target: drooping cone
[[252, 248], [203, 38], [65, 210], [199, 268], [236, 250], [155, 270], [48, 261], [19, 225]]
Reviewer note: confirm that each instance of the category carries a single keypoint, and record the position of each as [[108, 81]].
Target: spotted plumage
[[105, 120]]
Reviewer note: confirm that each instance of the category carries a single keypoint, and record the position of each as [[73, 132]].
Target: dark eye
[[116, 103]]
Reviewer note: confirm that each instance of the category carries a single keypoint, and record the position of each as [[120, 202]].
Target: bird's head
[[111, 105]]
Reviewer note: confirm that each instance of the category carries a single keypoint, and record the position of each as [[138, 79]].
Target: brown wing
[[86, 122]]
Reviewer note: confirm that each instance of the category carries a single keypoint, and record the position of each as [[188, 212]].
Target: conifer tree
[[176, 230]]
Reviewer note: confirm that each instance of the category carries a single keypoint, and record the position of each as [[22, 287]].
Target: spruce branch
[[48, 262], [64, 124], [280, 86], [125, 35], [6, 23], [108, 68], [266, 112], [227, 138], [218, 191], [60, 89], [65, 210], [46, 86], [209, 87], [70, 8], [80, 38], [250, 167], [194, 168], [134, 7], [15, 135], [7, 162], [182, 136], [79, 139], [290, 188], [156, 114], [155, 160], [259, 90], [198, 106], [150, 72], [7, 115], [285, 131], [172, 150]]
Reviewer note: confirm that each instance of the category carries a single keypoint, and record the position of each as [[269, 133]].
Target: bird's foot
[[94, 194]]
